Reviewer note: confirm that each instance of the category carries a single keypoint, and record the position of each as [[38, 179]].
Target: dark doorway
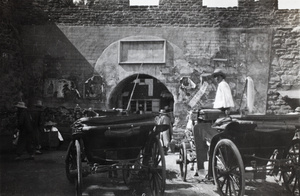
[[147, 95]]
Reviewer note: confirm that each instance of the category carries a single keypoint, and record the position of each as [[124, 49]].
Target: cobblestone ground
[[45, 176]]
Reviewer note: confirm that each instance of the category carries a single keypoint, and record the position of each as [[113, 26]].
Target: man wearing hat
[[164, 119], [25, 140], [37, 116], [223, 99]]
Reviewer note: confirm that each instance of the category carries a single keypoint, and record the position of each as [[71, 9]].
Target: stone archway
[[114, 73], [141, 90]]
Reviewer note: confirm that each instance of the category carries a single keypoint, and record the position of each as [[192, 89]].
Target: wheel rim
[[157, 169], [71, 165], [78, 183], [291, 172], [183, 161], [228, 169]]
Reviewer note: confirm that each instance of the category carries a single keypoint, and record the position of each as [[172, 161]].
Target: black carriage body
[[257, 136], [110, 139]]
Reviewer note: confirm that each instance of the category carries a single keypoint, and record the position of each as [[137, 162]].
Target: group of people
[[30, 125], [223, 101]]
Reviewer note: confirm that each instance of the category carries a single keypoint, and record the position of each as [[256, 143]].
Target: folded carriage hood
[[114, 122]]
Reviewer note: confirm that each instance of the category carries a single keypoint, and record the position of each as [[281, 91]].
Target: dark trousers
[[25, 142], [36, 137], [203, 132]]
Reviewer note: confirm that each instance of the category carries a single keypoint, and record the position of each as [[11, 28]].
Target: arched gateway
[[147, 60]]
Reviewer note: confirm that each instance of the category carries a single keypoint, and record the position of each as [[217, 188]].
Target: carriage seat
[[242, 126]]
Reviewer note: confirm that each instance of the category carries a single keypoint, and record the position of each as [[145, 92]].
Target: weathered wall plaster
[[190, 52]]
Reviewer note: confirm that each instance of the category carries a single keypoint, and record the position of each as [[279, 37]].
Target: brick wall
[[174, 13], [118, 13]]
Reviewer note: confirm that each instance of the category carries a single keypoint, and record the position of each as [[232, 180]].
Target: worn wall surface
[[77, 53], [54, 40]]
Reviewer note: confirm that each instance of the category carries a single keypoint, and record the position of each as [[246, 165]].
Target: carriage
[[111, 143], [240, 145]]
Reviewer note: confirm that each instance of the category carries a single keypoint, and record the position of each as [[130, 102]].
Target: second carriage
[[242, 145]]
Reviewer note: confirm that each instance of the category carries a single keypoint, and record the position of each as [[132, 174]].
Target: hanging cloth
[[250, 94]]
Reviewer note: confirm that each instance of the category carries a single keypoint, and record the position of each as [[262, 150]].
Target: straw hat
[[219, 72], [20, 105]]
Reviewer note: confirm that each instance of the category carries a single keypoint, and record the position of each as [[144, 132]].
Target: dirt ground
[[45, 176]]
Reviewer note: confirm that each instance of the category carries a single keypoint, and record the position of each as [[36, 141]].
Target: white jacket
[[223, 97]]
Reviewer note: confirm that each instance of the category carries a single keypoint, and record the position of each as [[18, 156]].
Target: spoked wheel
[[74, 166], [70, 166], [291, 172], [78, 183], [182, 161], [228, 169], [157, 169]]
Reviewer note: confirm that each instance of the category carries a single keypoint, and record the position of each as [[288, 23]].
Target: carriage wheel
[[183, 161], [78, 181], [70, 161], [157, 169], [228, 168], [291, 172]]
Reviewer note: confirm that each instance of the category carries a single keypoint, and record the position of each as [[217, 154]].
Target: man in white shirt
[[223, 99]]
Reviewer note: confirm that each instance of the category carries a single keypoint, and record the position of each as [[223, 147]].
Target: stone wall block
[[294, 51], [290, 42], [274, 85], [279, 51], [274, 107], [275, 79], [276, 46], [284, 62], [288, 79], [277, 40], [292, 72]]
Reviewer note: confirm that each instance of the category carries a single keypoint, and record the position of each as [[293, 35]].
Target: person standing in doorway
[[140, 109], [37, 124], [24, 125]]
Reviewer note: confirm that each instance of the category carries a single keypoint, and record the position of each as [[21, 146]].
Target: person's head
[[38, 103], [140, 107], [162, 112], [219, 75], [167, 108]]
